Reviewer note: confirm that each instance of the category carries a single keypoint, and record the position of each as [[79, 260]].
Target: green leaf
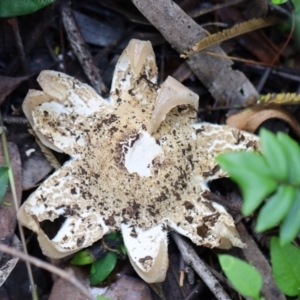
[[81, 258], [4, 180], [296, 4], [13, 8], [102, 268], [292, 151], [251, 172], [286, 267], [123, 249], [99, 297], [245, 278], [274, 154], [291, 225], [278, 2], [277, 207]]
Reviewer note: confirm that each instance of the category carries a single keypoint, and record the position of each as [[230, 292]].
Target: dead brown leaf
[[9, 84], [251, 118], [129, 288]]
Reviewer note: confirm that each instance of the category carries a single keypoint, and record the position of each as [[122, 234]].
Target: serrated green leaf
[[291, 225], [252, 174], [292, 151], [102, 268], [286, 267], [276, 208], [13, 8], [4, 180], [82, 258], [274, 154], [245, 278]]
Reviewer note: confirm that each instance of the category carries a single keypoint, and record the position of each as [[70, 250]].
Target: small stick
[[80, 48], [181, 272], [68, 276], [191, 257]]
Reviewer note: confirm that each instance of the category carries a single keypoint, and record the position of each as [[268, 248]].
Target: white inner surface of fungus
[[140, 155]]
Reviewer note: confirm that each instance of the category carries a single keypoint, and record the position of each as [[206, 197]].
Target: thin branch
[[68, 276], [191, 257], [80, 48], [16, 206]]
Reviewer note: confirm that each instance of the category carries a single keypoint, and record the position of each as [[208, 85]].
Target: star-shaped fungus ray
[[139, 163]]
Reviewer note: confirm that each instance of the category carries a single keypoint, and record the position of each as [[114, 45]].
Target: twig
[[195, 13], [16, 206], [41, 264], [34, 37], [191, 257], [52, 160], [20, 47], [80, 48], [233, 207], [15, 120], [287, 41]]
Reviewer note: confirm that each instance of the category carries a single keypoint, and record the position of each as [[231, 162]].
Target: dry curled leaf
[[250, 119]]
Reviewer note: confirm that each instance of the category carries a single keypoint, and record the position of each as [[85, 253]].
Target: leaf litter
[[274, 85]]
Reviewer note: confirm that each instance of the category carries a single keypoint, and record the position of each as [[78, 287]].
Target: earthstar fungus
[[139, 163]]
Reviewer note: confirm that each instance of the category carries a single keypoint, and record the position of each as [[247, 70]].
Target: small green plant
[[13, 8], [244, 278], [248, 281], [103, 259], [286, 267], [275, 173]]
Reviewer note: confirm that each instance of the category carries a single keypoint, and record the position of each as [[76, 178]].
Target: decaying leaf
[[230, 33], [250, 119], [139, 163], [8, 84], [8, 263]]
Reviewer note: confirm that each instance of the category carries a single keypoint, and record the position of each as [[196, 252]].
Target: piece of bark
[[258, 260], [226, 85]]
